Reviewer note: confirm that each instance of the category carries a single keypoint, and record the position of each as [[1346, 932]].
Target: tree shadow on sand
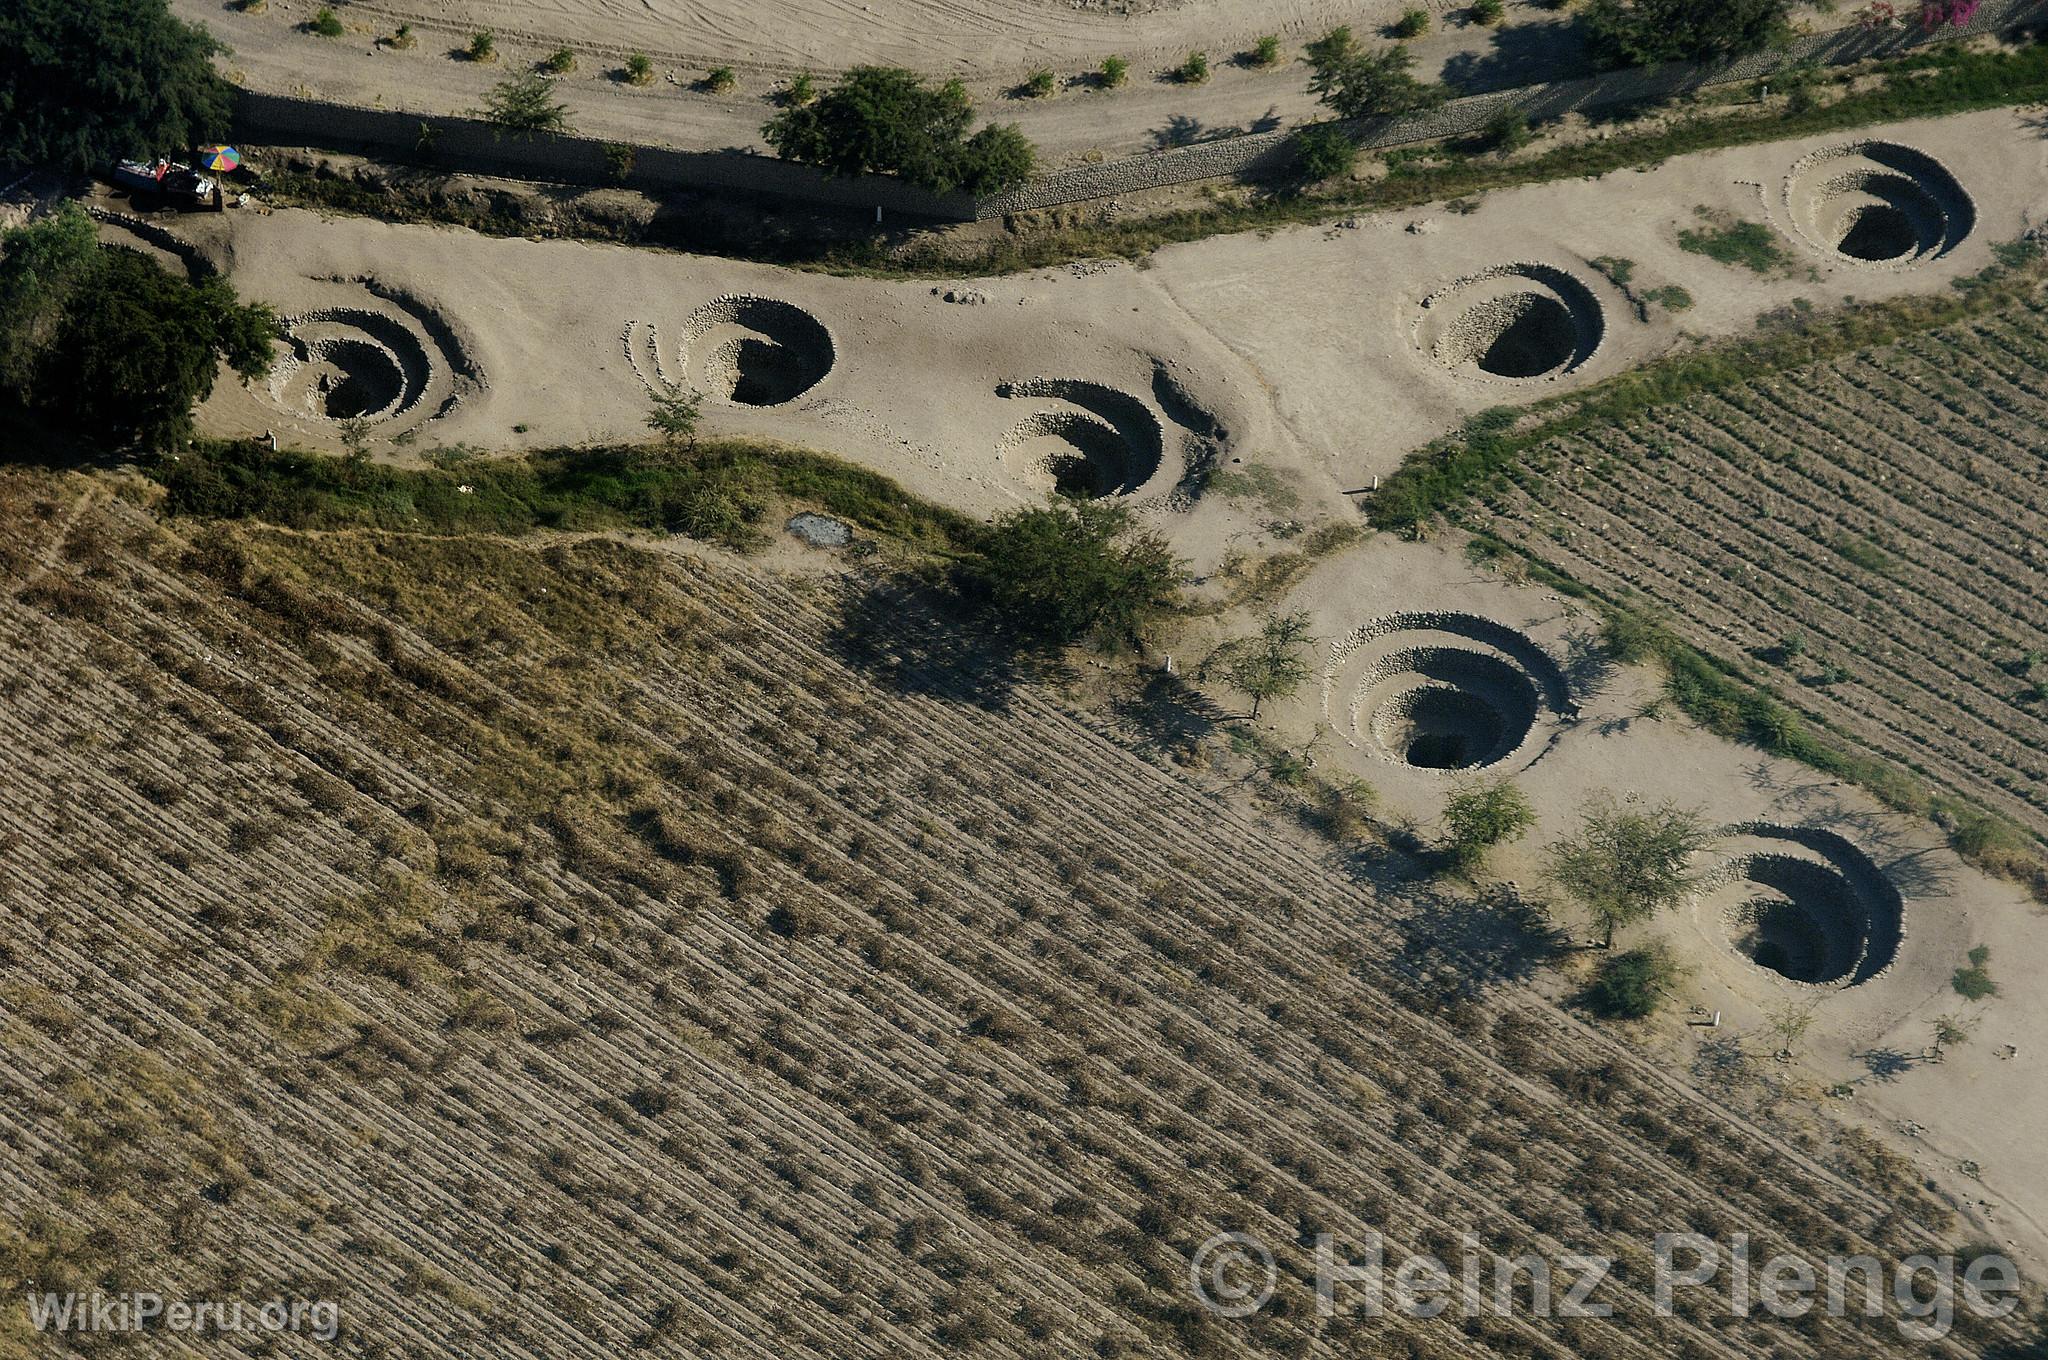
[[1472, 946], [912, 638]]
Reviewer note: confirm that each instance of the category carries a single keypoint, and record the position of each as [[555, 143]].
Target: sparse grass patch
[[1748, 245]]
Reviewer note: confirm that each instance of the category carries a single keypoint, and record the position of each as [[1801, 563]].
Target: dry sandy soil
[[1301, 364], [992, 47]]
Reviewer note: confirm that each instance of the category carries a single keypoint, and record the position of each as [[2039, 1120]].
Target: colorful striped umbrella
[[219, 159]]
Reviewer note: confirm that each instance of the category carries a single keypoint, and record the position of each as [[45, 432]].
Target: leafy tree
[[880, 120], [1633, 985], [42, 270], [1627, 863], [1075, 569], [1479, 816], [1324, 151], [524, 105], [1270, 665], [85, 81], [675, 417], [1645, 32], [110, 342], [1357, 83]]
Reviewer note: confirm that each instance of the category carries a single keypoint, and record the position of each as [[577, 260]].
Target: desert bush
[[1265, 52], [1039, 84], [721, 80], [325, 23], [1193, 70], [1113, 72], [559, 62], [1508, 129], [638, 70], [1974, 982], [524, 106], [1633, 985], [1479, 816], [1324, 151], [1413, 23], [1073, 570], [482, 46], [1487, 11]]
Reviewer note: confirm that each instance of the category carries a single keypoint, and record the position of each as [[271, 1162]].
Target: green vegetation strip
[[720, 491], [1946, 79]]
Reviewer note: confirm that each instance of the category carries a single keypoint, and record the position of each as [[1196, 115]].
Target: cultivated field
[[568, 950], [1867, 531]]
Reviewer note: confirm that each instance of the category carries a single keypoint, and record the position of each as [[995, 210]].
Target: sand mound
[[1108, 444], [1878, 204], [343, 363], [756, 351], [1806, 905], [1515, 322], [1441, 691]]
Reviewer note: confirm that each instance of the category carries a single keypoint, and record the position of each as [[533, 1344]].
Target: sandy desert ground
[[1307, 362]]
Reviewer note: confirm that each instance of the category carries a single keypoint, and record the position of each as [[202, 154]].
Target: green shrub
[[1633, 985], [1074, 570], [618, 161], [720, 80], [1324, 151], [801, 90], [559, 62], [1487, 11], [1114, 72], [1479, 816], [1413, 23], [639, 70], [325, 23], [1265, 52], [1508, 130], [1750, 245], [402, 38], [1039, 83], [1194, 70], [483, 46], [524, 105], [1974, 982]]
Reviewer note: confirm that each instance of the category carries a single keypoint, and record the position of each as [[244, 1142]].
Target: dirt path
[[270, 53]]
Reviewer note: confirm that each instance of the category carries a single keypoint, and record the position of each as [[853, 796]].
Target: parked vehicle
[[168, 180]]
